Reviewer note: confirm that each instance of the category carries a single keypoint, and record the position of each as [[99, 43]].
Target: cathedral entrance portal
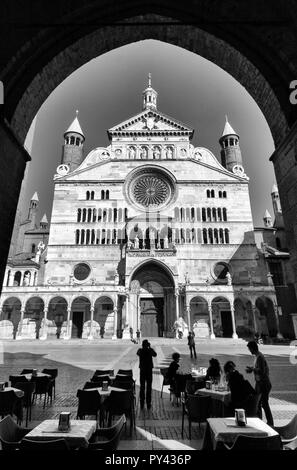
[[151, 317], [152, 301], [77, 324]]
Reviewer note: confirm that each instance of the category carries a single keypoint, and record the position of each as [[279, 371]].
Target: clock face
[[63, 169]]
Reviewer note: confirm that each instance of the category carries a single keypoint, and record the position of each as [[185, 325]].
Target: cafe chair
[[288, 432], [54, 374], [43, 386], [104, 372], [101, 378], [17, 379], [88, 385], [89, 404], [179, 386], [197, 408], [255, 443], [125, 372], [27, 371], [127, 379], [119, 403], [7, 403], [108, 439], [28, 388], [11, 434], [166, 381], [40, 446]]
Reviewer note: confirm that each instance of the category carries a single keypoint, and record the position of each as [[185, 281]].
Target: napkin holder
[[2, 386], [34, 373], [105, 386], [64, 421], [208, 385], [240, 418]]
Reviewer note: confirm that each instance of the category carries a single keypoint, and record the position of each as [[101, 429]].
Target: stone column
[[5, 278], [43, 331], [20, 325], [176, 294], [22, 278], [254, 318], [115, 322], [234, 334], [68, 332], [188, 312], [11, 279], [90, 336], [278, 334], [212, 335], [128, 310]]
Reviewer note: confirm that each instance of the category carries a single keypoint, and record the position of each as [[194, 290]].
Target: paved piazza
[[159, 428]]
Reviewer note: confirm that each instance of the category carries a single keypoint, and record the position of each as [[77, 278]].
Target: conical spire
[[267, 215], [44, 219], [228, 129], [267, 219], [274, 189], [75, 126], [35, 197]]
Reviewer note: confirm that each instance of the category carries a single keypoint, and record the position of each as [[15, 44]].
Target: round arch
[[57, 315], [80, 316], [266, 317], [221, 314], [104, 316], [245, 323], [33, 315], [156, 263], [11, 312]]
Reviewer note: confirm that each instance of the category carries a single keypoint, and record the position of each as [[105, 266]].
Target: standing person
[[191, 344], [138, 336], [131, 333], [263, 384], [146, 354]]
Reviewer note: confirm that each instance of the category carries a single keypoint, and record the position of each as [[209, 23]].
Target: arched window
[[72, 140], [76, 237], [219, 214], [208, 214], [224, 194], [204, 235], [89, 215], [102, 194], [104, 216], [231, 142], [103, 241], [214, 214], [176, 214], [221, 235], [98, 237], [220, 194], [92, 195], [33, 247], [187, 213], [77, 141], [192, 214], [210, 235], [82, 238], [107, 194], [208, 193], [99, 215], [87, 195], [78, 215], [224, 214], [182, 235], [120, 215], [84, 215], [115, 215], [193, 235], [94, 215], [212, 193], [126, 214], [216, 236], [92, 237], [227, 236], [87, 237], [109, 215], [203, 214], [182, 214], [188, 236], [114, 236]]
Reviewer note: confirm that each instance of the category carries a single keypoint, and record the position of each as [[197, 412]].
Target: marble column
[[254, 308], [128, 310], [20, 325], [212, 335], [234, 334], [115, 323], [68, 332], [176, 304], [188, 312], [22, 278], [5, 277], [11, 279], [278, 333], [43, 329], [90, 335]]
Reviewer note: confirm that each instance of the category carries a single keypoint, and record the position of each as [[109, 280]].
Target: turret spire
[[230, 149], [149, 96]]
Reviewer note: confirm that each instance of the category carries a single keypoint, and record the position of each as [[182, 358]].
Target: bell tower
[[230, 149], [149, 96], [72, 153]]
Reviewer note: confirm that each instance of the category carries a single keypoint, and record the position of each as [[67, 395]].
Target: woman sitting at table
[[240, 388], [172, 369], [214, 371]]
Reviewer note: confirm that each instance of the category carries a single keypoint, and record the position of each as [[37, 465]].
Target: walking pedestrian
[[138, 336], [191, 344], [262, 380], [146, 354]]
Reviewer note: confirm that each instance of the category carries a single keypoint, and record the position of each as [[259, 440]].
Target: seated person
[[240, 388], [173, 367], [214, 371]]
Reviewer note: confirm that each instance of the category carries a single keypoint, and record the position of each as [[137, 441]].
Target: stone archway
[[57, 315], [267, 319], [200, 317], [104, 316], [10, 317], [80, 315], [33, 315], [221, 314], [152, 303]]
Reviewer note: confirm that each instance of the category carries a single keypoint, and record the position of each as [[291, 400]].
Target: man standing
[[191, 344], [263, 384], [146, 354]]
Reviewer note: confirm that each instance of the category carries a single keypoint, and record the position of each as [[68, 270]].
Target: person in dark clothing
[[262, 380], [240, 388], [191, 344], [214, 370], [172, 369], [146, 354], [138, 336]]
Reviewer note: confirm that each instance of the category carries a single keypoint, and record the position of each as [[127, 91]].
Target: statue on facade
[[269, 279], [132, 153], [187, 279], [116, 279], [26, 279], [144, 152], [229, 279], [152, 240], [40, 248], [129, 244], [165, 242], [136, 242], [156, 153], [169, 152]]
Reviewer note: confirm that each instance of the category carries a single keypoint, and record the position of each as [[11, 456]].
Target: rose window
[[151, 190]]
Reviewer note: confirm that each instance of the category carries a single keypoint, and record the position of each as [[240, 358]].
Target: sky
[[108, 90]]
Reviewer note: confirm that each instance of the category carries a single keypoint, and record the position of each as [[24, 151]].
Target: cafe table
[[220, 399], [39, 374], [220, 431], [76, 437], [18, 393], [105, 393], [18, 406]]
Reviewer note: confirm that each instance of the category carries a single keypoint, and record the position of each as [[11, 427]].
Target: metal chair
[[54, 374], [288, 432], [197, 408], [11, 434], [17, 379], [89, 404], [88, 385], [101, 379], [28, 388], [39, 446], [104, 372], [7, 404], [43, 386], [255, 443], [125, 372], [166, 380], [112, 436], [27, 371], [118, 403]]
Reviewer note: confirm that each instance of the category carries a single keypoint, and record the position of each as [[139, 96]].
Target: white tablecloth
[[225, 397], [19, 393], [78, 435]]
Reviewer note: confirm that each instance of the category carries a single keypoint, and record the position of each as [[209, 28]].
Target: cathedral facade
[[150, 234]]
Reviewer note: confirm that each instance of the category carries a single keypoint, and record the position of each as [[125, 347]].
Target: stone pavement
[[159, 428]]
